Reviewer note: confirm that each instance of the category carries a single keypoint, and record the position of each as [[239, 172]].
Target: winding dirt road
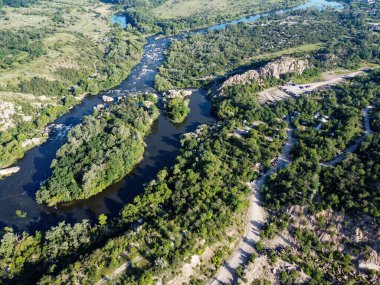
[[255, 220], [256, 214], [357, 143]]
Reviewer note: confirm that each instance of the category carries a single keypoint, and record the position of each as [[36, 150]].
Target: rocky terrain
[[274, 69]]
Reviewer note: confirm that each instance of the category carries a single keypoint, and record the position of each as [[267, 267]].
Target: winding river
[[17, 192]]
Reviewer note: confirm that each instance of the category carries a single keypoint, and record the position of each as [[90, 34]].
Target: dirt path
[[280, 93], [255, 220], [357, 143], [114, 274], [256, 213]]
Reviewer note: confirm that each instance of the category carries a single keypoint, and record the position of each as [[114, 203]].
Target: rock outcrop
[[272, 69], [182, 93], [9, 171]]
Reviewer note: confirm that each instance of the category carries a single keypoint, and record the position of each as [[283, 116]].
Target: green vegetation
[[351, 186], [21, 214], [198, 198], [327, 36], [171, 17], [296, 184], [308, 201], [22, 125], [100, 151], [26, 253], [51, 55], [174, 16], [18, 48], [17, 3], [190, 206], [202, 57], [375, 116], [177, 108], [328, 122]]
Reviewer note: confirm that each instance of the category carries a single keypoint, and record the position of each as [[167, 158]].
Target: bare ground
[[279, 93]]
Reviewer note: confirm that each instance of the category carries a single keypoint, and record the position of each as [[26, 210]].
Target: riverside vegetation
[[202, 57], [189, 206], [70, 57], [173, 206], [171, 17], [100, 151], [57, 40]]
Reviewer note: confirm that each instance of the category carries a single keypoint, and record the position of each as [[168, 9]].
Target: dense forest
[[177, 109], [99, 152], [202, 57]]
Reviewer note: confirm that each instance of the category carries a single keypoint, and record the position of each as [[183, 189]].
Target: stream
[[17, 192]]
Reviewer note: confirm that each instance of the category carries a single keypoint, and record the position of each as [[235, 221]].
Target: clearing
[[225, 8], [279, 93], [73, 42]]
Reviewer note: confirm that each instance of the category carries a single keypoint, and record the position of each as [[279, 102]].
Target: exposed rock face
[[283, 66], [272, 69], [9, 171], [178, 93]]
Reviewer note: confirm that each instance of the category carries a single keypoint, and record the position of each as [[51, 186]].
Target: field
[[224, 8], [50, 51], [72, 43], [286, 52]]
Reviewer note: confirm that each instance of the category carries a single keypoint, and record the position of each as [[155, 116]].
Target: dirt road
[[280, 93], [255, 220], [357, 142]]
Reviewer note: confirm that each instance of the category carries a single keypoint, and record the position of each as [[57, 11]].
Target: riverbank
[[68, 59]]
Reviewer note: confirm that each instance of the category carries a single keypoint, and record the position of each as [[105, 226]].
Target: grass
[[225, 8], [290, 51], [72, 44]]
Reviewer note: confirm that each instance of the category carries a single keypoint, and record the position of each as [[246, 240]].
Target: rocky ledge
[[9, 171], [274, 69]]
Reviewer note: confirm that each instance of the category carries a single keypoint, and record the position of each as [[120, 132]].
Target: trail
[[356, 144], [256, 213], [255, 220], [114, 274], [279, 93]]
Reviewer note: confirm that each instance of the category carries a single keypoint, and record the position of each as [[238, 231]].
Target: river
[[17, 192]]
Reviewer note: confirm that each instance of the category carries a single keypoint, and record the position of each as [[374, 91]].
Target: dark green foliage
[[354, 185], [20, 47], [177, 109], [375, 116], [202, 56], [100, 151], [41, 86], [348, 187], [18, 3], [26, 252]]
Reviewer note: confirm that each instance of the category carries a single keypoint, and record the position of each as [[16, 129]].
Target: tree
[[102, 219]]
